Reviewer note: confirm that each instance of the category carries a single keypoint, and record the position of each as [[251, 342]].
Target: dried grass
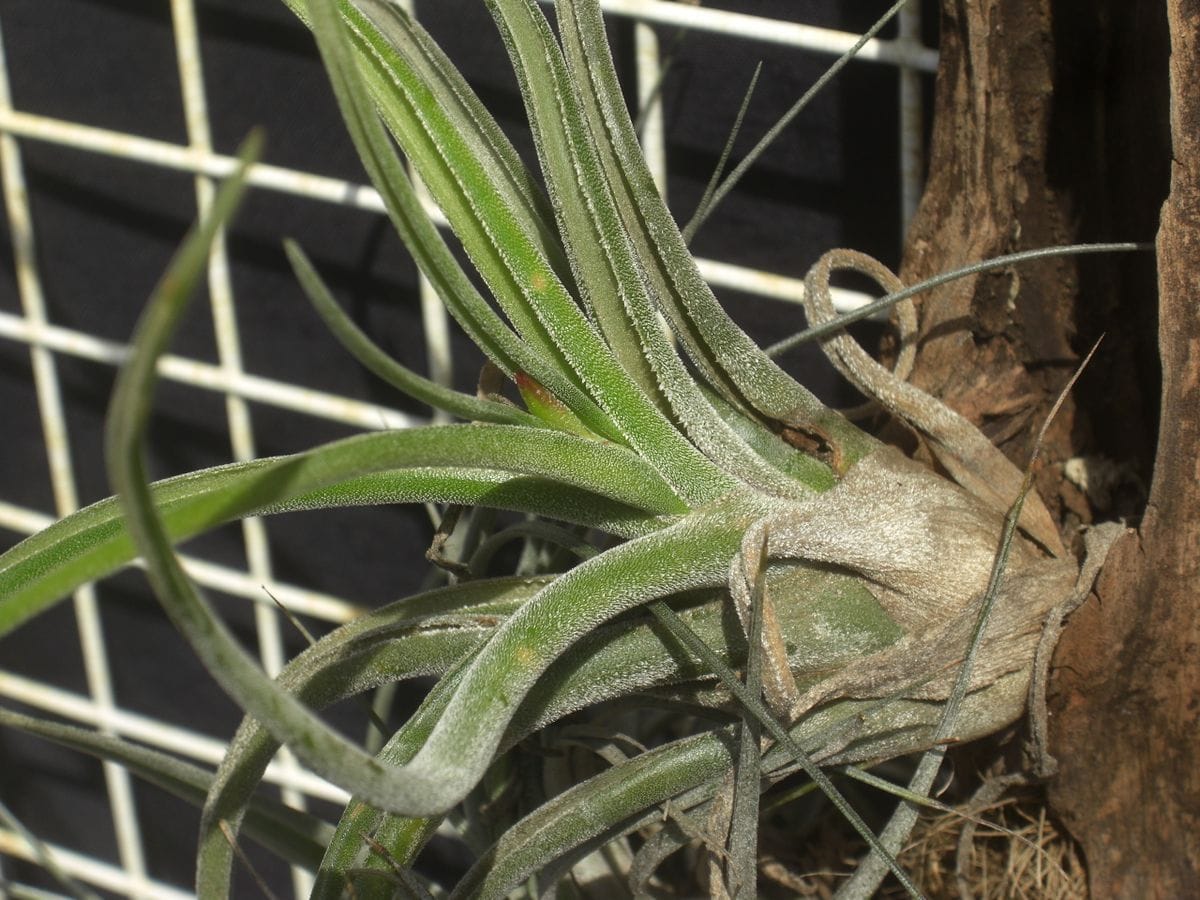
[[1023, 856]]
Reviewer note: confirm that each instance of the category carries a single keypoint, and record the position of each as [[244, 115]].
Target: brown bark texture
[[1051, 126], [1128, 717]]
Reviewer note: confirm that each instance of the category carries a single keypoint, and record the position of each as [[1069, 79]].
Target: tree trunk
[[1129, 686], [1051, 127]]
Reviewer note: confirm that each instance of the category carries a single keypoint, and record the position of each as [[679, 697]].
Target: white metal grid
[[227, 377]]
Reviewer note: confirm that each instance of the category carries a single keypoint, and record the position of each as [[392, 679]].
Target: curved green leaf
[[382, 365], [694, 553], [508, 351], [616, 660], [421, 635], [321, 748], [298, 837], [553, 473], [507, 254], [616, 801]]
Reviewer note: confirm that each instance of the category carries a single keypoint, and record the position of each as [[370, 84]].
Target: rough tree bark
[[1129, 693], [1051, 127]]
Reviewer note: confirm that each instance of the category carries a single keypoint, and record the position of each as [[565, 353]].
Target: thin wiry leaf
[[786, 119], [756, 707], [870, 874], [883, 304], [719, 170]]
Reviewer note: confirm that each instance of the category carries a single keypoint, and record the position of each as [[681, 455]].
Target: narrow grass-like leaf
[[381, 364], [883, 304], [688, 230], [786, 119], [298, 837]]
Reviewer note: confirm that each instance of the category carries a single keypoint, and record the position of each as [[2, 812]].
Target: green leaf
[[576, 185], [325, 751], [490, 220], [403, 836], [314, 743], [555, 474], [549, 409], [617, 801], [694, 553], [614, 277], [427, 634], [394, 373], [297, 837], [627, 657], [729, 359], [509, 352]]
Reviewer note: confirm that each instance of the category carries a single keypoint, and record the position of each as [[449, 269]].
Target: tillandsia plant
[[701, 533]]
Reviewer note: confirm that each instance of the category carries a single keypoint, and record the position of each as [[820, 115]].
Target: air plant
[[701, 494]]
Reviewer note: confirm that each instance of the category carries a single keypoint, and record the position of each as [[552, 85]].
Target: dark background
[[106, 228]]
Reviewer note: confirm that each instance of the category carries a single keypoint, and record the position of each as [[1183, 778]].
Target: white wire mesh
[[49, 342]]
